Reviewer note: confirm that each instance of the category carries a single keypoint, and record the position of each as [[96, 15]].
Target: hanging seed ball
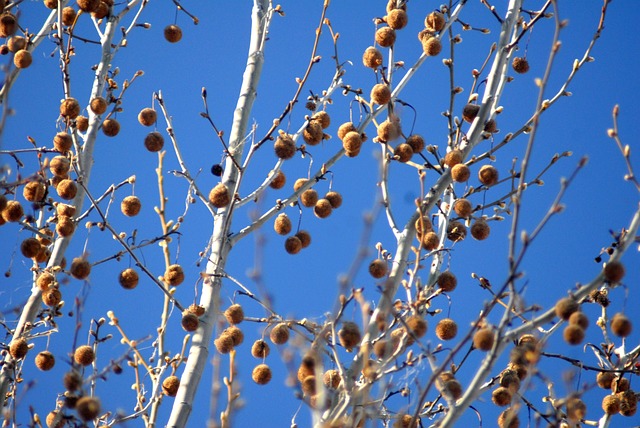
[[565, 307], [299, 183], [51, 4], [386, 36], [172, 33], [434, 21], [460, 173], [397, 19], [323, 208], [3, 202], [431, 46], [614, 272], [189, 322], [520, 65], [45, 361], [284, 146], [68, 15], [220, 196], [18, 348], [388, 131], [491, 126], [480, 230], [174, 275], [72, 381], [170, 386], [404, 152], [98, 105], [45, 280], [34, 191], [352, 142], [62, 142], [88, 408], [447, 281], [331, 379], [423, 224], [463, 208], [84, 355], [323, 118], [45, 235], [510, 380], [345, 128], [12, 212], [128, 279], [416, 142], [278, 181], [378, 268], [102, 11], [80, 268], [312, 133], [417, 325], [65, 226], [154, 141], [22, 59], [604, 379], [573, 334], [483, 339], [501, 396], [621, 325], [334, 198], [488, 175], [309, 198], [446, 329], [59, 166], [304, 237], [8, 24], [620, 384], [234, 314], [236, 335], [611, 404], [16, 43], [110, 127], [469, 112], [282, 224], [628, 403], [279, 334], [197, 310], [293, 245], [130, 206], [508, 419], [372, 58], [261, 374], [260, 349], [453, 158], [52, 297], [70, 108], [224, 343], [576, 409], [380, 94], [82, 123], [430, 241], [579, 318], [456, 231], [349, 335], [452, 388], [88, 5]]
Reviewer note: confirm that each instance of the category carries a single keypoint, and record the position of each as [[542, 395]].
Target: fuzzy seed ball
[[604, 379], [261, 374], [352, 141], [430, 241], [279, 334], [43, 255], [416, 142], [170, 386], [147, 116], [628, 403], [621, 325], [293, 245], [299, 183], [18, 348], [620, 384], [456, 231], [220, 196], [8, 24], [84, 355], [323, 118], [331, 379], [501, 396], [460, 173], [224, 343], [397, 19], [385, 36], [174, 275], [45, 280], [345, 128], [45, 361], [483, 339], [447, 281], [128, 279], [579, 318], [72, 381], [312, 134], [68, 15], [446, 329], [12, 212], [110, 127], [404, 152], [22, 58], [611, 404], [30, 247], [88, 5], [304, 237], [52, 297], [372, 58], [404, 421], [88, 408], [576, 409], [65, 226], [508, 419], [431, 46], [434, 21], [520, 65], [278, 181], [573, 334], [323, 208], [62, 142], [59, 166], [423, 224], [352, 154], [80, 268], [488, 175], [45, 236], [388, 131], [260, 349], [234, 314], [98, 105], [282, 224], [480, 230], [334, 198], [154, 141], [491, 126], [284, 147], [309, 198], [236, 335], [349, 335], [463, 208], [189, 322], [197, 310], [417, 325], [70, 108], [380, 94], [172, 33], [453, 158], [565, 307], [16, 43], [469, 112], [614, 272], [130, 206], [82, 123], [378, 268]]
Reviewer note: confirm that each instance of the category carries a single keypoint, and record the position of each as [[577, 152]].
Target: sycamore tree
[[367, 213]]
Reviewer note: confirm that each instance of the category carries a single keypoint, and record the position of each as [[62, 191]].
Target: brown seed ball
[[88, 408], [576, 409], [154, 141], [282, 224], [463, 208], [611, 404], [446, 329], [508, 419], [59, 166], [260, 349], [352, 141], [62, 142], [378, 268], [510, 380], [621, 325], [174, 275], [312, 134], [620, 384], [45, 236], [172, 33], [18, 348], [68, 15], [304, 237], [565, 307], [128, 279], [520, 65], [189, 321], [12, 212], [52, 297], [388, 131], [404, 152], [386, 36], [488, 175], [380, 94], [323, 208], [147, 116], [501, 396], [434, 21], [480, 230], [397, 19], [430, 241], [88, 5], [70, 108], [579, 318], [573, 334], [293, 245], [98, 105], [469, 112], [331, 379], [82, 123], [130, 206], [197, 310], [234, 314], [309, 198], [278, 181], [30, 247], [8, 24], [453, 158], [72, 380], [16, 43], [323, 118], [604, 379], [404, 421], [261, 374], [51, 4], [170, 386], [65, 226], [417, 325], [447, 281], [372, 58], [45, 361], [334, 198], [279, 334], [110, 127], [220, 196], [614, 272], [628, 403], [84, 355], [3, 202], [352, 154], [80, 268], [345, 128], [285, 147], [483, 339], [22, 59], [456, 231], [431, 46], [299, 183], [349, 335], [45, 280], [416, 142], [423, 224], [224, 343], [460, 173]]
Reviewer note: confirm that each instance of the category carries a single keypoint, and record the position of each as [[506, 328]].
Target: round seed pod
[[576, 409], [388, 131], [628, 403], [147, 116], [304, 237], [331, 379], [12, 212], [282, 224], [431, 46], [614, 272], [508, 419], [470, 112], [88, 5], [45, 361], [18, 348], [452, 388], [84, 355], [234, 314], [8, 24], [197, 310], [434, 21], [430, 241], [491, 126], [463, 208], [604, 379], [130, 206], [345, 128], [67, 189], [299, 183], [110, 127], [456, 231], [323, 118], [393, 4], [224, 344], [170, 386], [334, 198], [52, 297], [189, 322], [488, 175], [261, 374], [352, 141], [68, 15], [82, 123], [172, 33], [480, 230], [446, 329], [50, 4], [397, 19], [59, 166], [447, 281], [309, 197], [293, 245], [154, 141], [65, 226], [128, 279], [174, 275], [565, 307], [579, 318], [80, 268], [88, 408], [260, 349], [380, 94], [62, 142], [349, 335], [45, 236], [453, 158], [43, 255], [386, 36], [70, 108], [520, 65], [284, 147], [460, 173], [573, 334], [611, 404], [404, 152], [72, 381], [279, 334], [323, 208], [483, 339], [621, 325], [45, 280], [423, 224], [509, 379], [16, 43], [417, 325], [220, 196], [22, 58], [501, 396], [404, 421], [278, 181], [372, 58], [30, 247], [416, 142], [378, 268], [312, 133], [101, 12], [620, 384], [98, 105]]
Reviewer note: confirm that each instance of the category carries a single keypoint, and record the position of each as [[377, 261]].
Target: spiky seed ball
[[491, 126], [12, 212], [220, 196], [84, 355], [80, 268], [380, 94], [172, 33], [447, 281], [284, 147], [65, 226], [579, 318], [621, 325], [604, 379], [565, 307], [349, 335], [446, 329], [573, 334], [98, 105], [434, 21], [299, 183], [128, 279], [278, 181], [88, 408], [174, 275], [147, 116], [261, 374], [614, 272], [397, 19], [18, 348], [385, 36], [72, 381], [82, 123], [130, 206], [460, 173], [189, 321], [404, 152], [88, 5], [197, 310], [509, 379], [22, 59], [154, 141], [68, 15], [576, 409], [34, 191], [520, 65], [611, 404], [378, 268], [334, 198], [224, 344], [463, 208], [67, 189], [45, 361], [388, 130], [323, 208], [453, 158], [304, 237], [279, 334], [501, 396], [30, 247], [508, 419], [431, 46], [260, 349], [620, 384], [52, 297], [8, 24], [628, 403], [404, 421], [170, 386], [352, 141], [234, 314], [309, 198], [16, 43], [488, 175], [62, 142], [417, 325], [430, 241], [456, 231], [282, 224], [59, 166], [45, 280], [372, 58], [452, 388], [331, 379], [45, 235], [470, 112], [416, 142], [70, 108], [483, 339], [312, 133], [423, 224], [323, 118], [345, 128], [110, 127], [43, 255], [102, 11], [480, 230]]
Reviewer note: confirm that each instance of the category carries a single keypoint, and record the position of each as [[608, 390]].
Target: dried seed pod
[[385, 36], [322, 208], [604, 379], [172, 33], [30, 247], [501, 396], [67, 189], [84, 355], [480, 230], [397, 19], [62, 142], [430, 241], [345, 128], [349, 335], [45, 280], [16, 43], [611, 404], [279, 334], [423, 224], [463, 208], [312, 133], [18, 348], [110, 127], [68, 15], [378, 268], [80, 268], [309, 198], [352, 141], [446, 329], [59, 166], [22, 59], [130, 206], [417, 325], [483, 339], [293, 245], [45, 361], [8, 24], [388, 131], [447, 281], [614, 272], [88, 5], [284, 147], [323, 118], [621, 325], [65, 226], [372, 58], [576, 409], [331, 379], [189, 321], [416, 142], [261, 374], [470, 112], [260, 349], [565, 307], [52, 297], [170, 386], [573, 334], [224, 344], [508, 419], [70, 108], [460, 173], [380, 94], [520, 65], [304, 237], [147, 116], [174, 275], [278, 181], [234, 314], [434, 21], [128, 279], [453, 158], [488, 175], [334, 198], [98, 105], [82, 123], [12, 211], [403, 152], [456, 231], [431, 46], [579, 318], [220, 196], [88, 408], [154, 141]]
